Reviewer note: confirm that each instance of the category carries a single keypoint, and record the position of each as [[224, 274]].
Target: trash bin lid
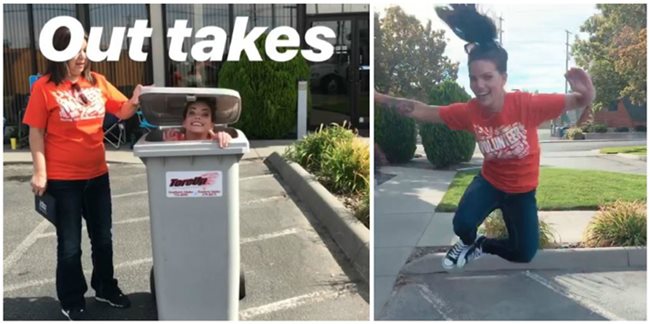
[[163, 106]]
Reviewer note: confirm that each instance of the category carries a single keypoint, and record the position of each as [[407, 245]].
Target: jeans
[[519, 213], [90, 199]]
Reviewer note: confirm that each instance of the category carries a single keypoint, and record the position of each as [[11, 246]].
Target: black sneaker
[[472, 253], [74, 313], [113, 297], [450, 259]]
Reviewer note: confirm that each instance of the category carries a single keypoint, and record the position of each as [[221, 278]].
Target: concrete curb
[[348, 233], [623, 155], [633, 156], [551, 259]]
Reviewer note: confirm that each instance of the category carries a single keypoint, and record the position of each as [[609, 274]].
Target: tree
[[268, 91], [409, 58], [615, 53]]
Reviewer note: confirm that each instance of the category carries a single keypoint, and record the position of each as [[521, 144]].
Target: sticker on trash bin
[[194, 184]]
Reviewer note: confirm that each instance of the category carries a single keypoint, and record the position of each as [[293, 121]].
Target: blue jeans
[[90, 199], [519, 213]]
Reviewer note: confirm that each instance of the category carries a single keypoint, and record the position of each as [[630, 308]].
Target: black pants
[[90, 199], [519, 213]]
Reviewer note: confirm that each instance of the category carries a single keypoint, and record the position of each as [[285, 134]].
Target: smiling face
[[78, 63], [487, 84], [198, 120]]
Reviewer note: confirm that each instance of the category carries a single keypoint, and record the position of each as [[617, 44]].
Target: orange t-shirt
[[508, 139], [74, 138], [173, 134]]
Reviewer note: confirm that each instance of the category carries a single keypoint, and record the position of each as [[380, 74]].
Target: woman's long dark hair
[[211, 104], [478, 30], [58, 71]]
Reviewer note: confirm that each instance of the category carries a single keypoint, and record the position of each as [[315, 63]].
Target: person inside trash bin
[[198, 124]]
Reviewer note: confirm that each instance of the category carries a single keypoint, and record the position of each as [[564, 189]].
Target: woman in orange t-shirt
[[65, 114], [505, 127]]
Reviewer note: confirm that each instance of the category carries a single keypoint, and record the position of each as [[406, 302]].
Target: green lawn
[[637, 150], [565, 189]]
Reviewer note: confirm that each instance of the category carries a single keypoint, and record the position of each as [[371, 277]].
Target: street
[[566, 154], [293, 270], [584, 155], [576, 146]]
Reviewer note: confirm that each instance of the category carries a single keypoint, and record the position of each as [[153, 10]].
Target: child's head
[[198, 119]]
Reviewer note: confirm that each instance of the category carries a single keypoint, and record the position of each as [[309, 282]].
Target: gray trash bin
[[194, 207]]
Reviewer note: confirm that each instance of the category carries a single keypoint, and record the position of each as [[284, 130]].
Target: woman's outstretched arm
[[410, 108]]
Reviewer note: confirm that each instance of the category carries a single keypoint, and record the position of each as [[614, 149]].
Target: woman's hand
[[222, 137], [130, 106], [580, 83], [135, 97], [37, 146], [39, 183]]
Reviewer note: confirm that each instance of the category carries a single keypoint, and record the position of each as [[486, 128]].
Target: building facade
[[339, 86]]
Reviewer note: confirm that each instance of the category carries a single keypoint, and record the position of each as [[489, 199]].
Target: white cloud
[[533, 35]]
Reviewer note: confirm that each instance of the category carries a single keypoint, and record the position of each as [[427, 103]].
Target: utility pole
[[566, 65], [501, 30], [566, 68]]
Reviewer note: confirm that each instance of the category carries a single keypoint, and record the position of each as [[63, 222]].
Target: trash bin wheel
[[152, 284], [242, 284]]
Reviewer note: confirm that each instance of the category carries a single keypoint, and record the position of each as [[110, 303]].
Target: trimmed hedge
[[445, 147], [395, 134], [269, 93]]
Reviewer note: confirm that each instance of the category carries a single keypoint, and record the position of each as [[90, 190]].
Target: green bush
[[340, 162], [640, 128], [395, 134], [345, 168], [587, 128], [269, 93], [600, 128], [445, 147], [308, 152], [575, 133], [495, 227], [621, 129], [618, 224]]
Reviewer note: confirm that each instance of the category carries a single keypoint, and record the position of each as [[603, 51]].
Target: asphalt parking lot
[[293, 270]]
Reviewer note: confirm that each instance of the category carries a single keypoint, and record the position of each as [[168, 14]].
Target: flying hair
[[478, 30]]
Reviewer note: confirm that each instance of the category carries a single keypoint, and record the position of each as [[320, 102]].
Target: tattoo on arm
[[404, 107]]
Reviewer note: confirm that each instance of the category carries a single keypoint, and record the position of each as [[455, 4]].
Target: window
[[315, 9], [191, 73], [125, 73]]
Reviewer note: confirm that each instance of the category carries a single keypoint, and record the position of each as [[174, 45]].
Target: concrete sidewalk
[[405, 219]]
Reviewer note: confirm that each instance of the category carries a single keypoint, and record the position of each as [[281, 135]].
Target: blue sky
[[533, 34]]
